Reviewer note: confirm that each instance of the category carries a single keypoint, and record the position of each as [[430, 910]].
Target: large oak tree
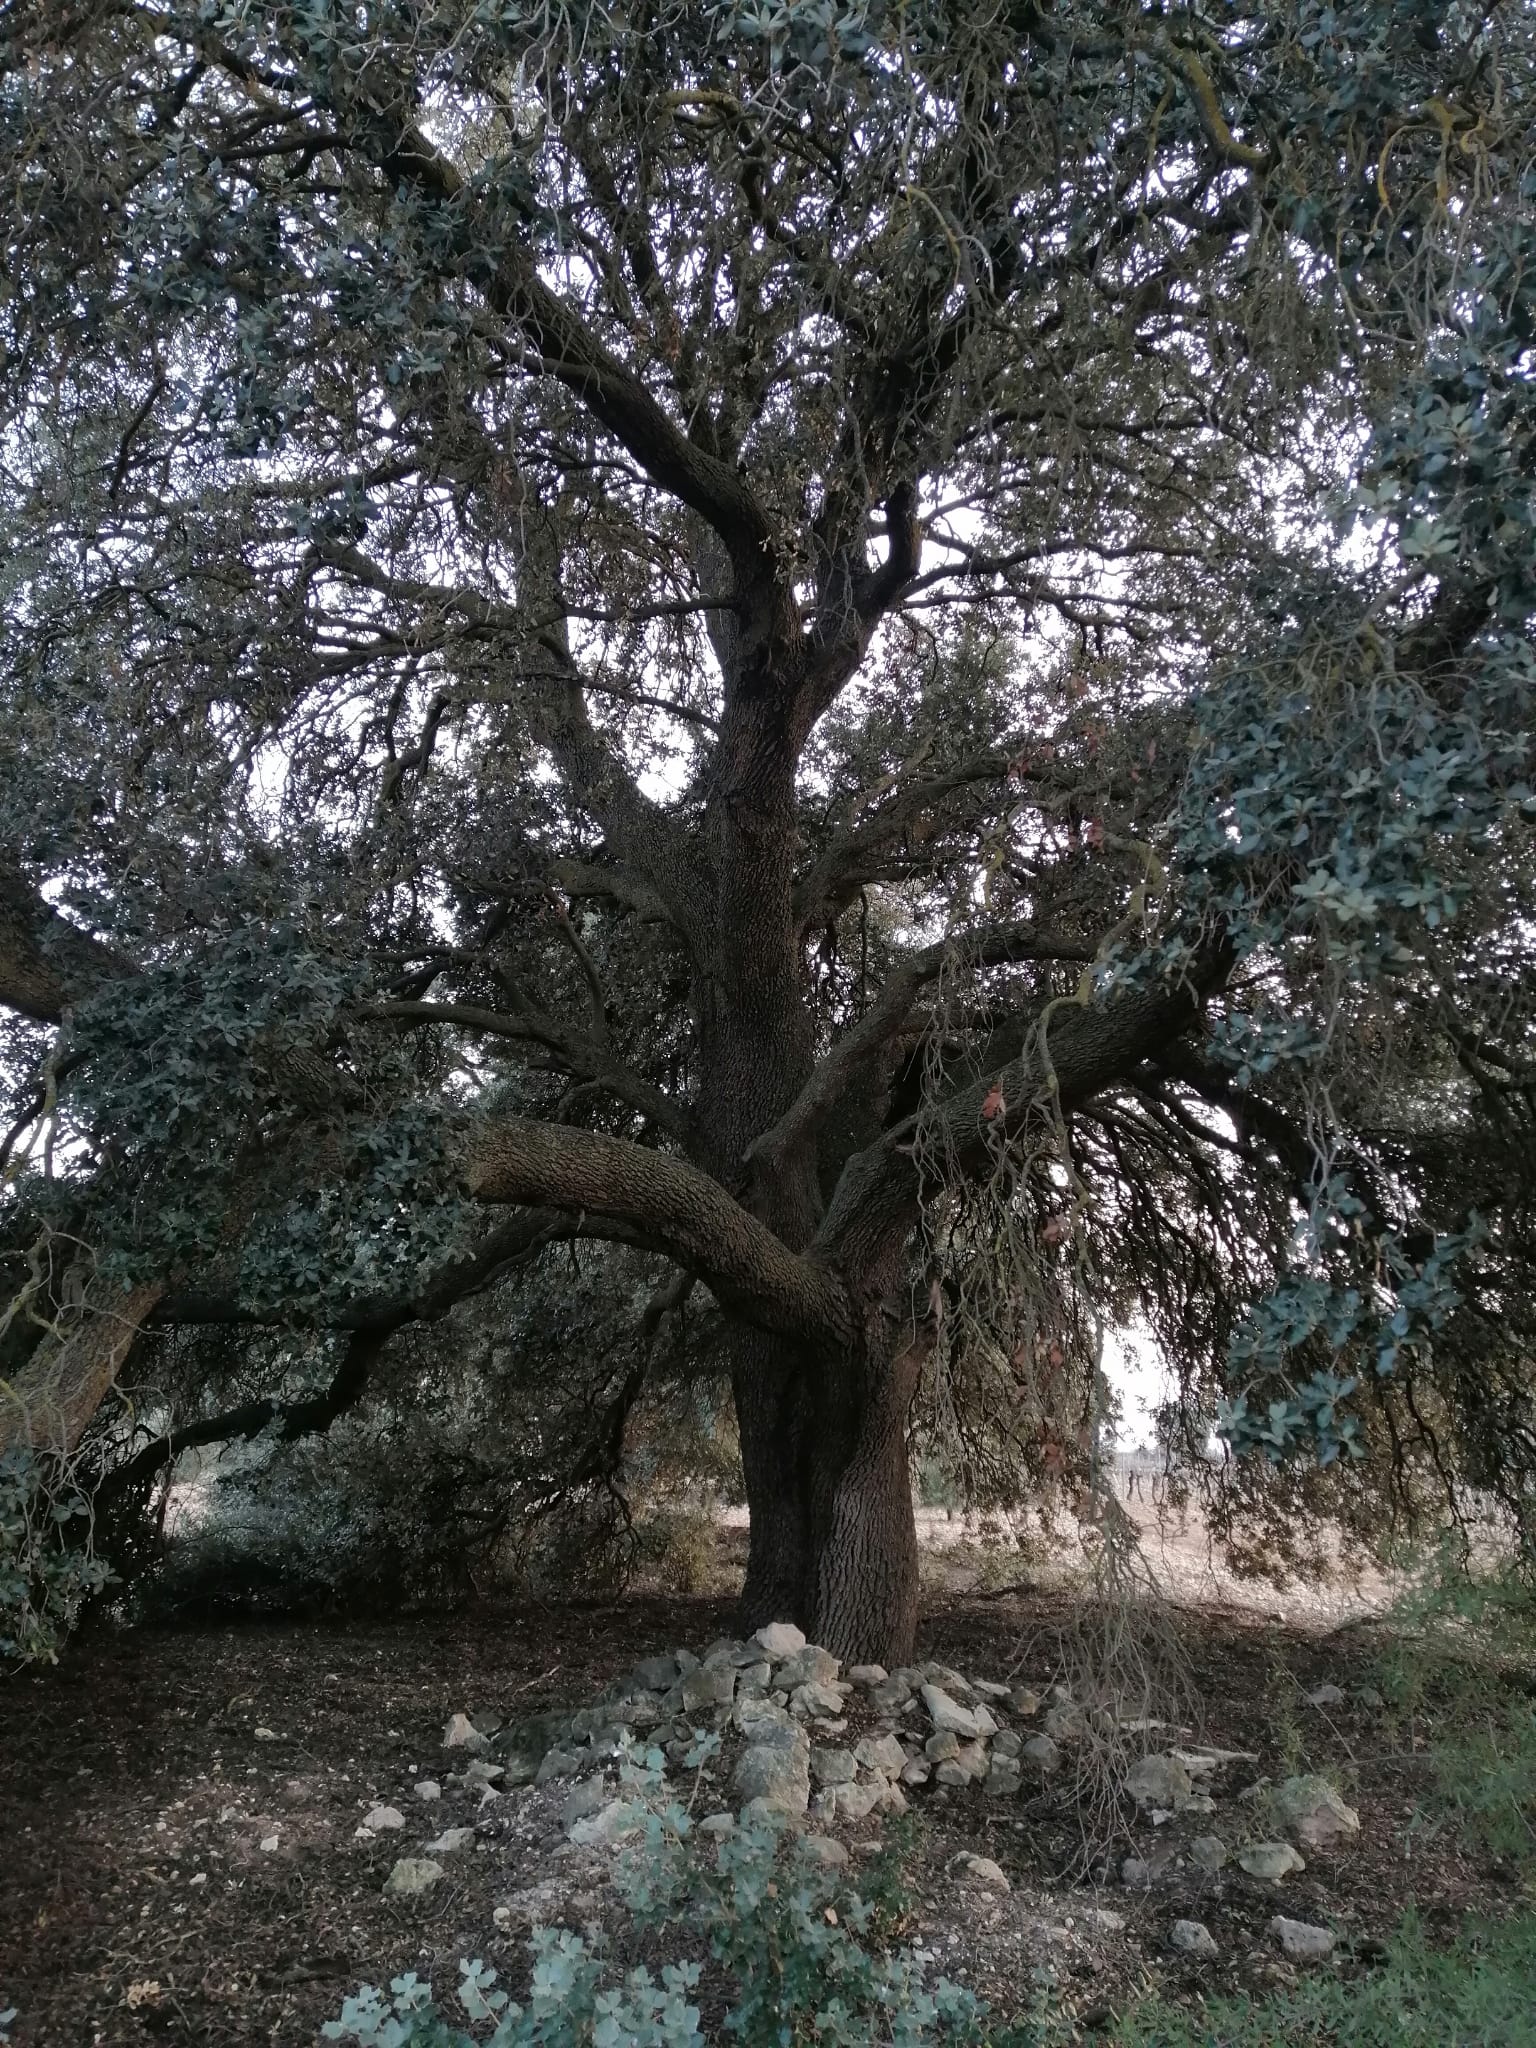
[[866, 648]]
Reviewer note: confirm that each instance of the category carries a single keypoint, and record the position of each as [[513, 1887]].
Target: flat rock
[[981, 1870], [808, 1666], [717, 1825], [1271, 1860], [412, 1877], [1193, 1937], [780, 1639], [1309, 1809], [612, 1824], [882, 1753], [382, 1818], [1157, 1780], [1106, 1921], [826, 1851], [451, 1840], [989, 1689], [947, 1714], [834, 1766], [867, 1674], [1208, 1853], [774, 1776], [461, 1733], [583, 1799], [1302, 1942]]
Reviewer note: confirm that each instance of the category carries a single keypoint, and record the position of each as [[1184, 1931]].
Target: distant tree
[[884, 651]]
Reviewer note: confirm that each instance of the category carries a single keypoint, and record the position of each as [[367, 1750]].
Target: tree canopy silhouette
[[883, 651]]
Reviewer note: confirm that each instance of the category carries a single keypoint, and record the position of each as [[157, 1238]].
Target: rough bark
[[864, 1567], [769, 1386], [824, 1451], [48, 1405]]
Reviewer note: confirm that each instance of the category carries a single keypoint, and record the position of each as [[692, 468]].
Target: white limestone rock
[[1302, 1942], [1194, 1938], [412, 1877]]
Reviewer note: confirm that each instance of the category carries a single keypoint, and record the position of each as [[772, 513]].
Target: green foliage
[[568, 2007], [1462, 1668], [179, 1068], [1474, 1994], [45, 1575], [479, 1456], [418, 494], [807, 1959]]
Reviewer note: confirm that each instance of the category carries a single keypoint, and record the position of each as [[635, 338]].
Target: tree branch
[[860, 1050], [596, 778], [46, 963], [878, 1195], [309, 1417], [677, 1207], [576, 1052]]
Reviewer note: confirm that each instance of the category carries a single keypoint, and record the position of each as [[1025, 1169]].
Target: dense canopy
[[883, 653]]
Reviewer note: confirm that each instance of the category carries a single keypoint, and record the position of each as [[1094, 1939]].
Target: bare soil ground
[[978, 1553], [179, 1811]]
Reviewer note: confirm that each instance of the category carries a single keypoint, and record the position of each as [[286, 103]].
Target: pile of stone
[[782, 1708], [799, 1736]]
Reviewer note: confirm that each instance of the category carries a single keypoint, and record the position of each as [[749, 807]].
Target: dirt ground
[[179, 1812]]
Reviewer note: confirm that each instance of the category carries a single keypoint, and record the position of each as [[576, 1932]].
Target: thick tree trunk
[[832, 1542], [864, 1546], [823, 1437], [769, 1386]]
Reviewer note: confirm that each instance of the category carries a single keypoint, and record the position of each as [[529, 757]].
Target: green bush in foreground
[[803, 1957]]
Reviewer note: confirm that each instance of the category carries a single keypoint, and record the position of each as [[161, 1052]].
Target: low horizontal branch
[[678, 1208]]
